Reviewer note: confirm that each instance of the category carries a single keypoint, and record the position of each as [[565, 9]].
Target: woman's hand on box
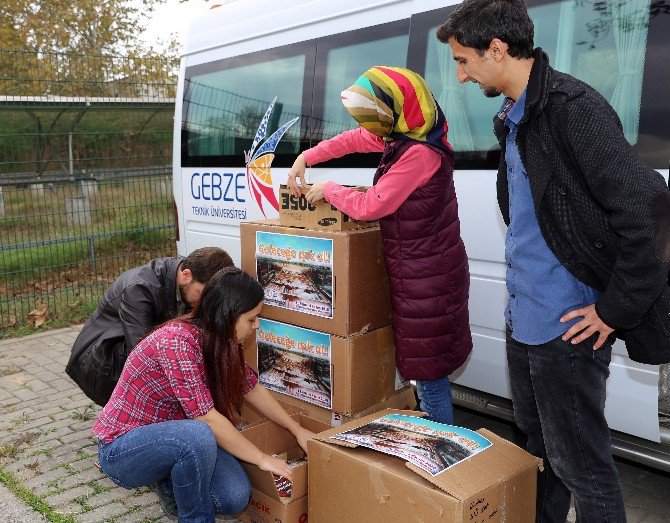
[[302, 435], [316, 192], [297, 171], [276, 466]]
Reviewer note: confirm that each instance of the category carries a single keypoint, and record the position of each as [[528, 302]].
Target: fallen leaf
[[75, 304], [39, 316]]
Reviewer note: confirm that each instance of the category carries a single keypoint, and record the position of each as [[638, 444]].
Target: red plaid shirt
[[164, 379]]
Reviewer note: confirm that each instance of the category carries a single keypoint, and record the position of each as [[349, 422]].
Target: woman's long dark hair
[[230, 293]]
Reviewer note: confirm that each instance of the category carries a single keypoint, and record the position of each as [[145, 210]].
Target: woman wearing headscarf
[[413, 198]]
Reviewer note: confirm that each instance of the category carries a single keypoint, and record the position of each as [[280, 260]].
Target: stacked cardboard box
[[325, 345], [297, 212], [325, 340]]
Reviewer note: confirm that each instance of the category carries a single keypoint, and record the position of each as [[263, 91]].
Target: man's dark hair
[[475, 23], [205, 262]]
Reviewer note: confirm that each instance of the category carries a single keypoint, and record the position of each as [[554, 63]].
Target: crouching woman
[[170, 423]]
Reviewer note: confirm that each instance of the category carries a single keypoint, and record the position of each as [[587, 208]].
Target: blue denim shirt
[[540, 289]]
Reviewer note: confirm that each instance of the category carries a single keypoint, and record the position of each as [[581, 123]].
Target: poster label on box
[[295, 362], [296, 272], [434, 447]]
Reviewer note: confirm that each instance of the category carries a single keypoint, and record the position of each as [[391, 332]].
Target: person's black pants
[[558, 391]]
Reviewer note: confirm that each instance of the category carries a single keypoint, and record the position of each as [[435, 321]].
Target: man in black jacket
[[139, 300], [582, 266]]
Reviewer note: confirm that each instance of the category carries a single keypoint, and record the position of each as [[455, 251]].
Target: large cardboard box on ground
[[362, 368], [402, 400], [297, 212], [346, 295], [359, 484], [268, 501]]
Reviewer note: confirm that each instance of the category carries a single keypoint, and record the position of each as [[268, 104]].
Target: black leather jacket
[[593, 200], [139, 300]]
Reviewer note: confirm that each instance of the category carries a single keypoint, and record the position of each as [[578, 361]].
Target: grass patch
[[46, 451], [88, 413], [11, 448], [82, 501], [98, 488], [82, 454], [32, 500]]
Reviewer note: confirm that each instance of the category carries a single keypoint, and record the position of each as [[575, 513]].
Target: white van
[[244, 55]]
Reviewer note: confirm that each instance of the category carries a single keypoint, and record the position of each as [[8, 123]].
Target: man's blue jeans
[[435, 399], [558, 391], [206, 480]]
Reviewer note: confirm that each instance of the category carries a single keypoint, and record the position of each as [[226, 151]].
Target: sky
[[174, 17]]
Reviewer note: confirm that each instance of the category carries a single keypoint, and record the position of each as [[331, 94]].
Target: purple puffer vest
[[428, 272]]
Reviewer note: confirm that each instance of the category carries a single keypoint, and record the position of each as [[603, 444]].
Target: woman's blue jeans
[[435, 399], [206, 480]]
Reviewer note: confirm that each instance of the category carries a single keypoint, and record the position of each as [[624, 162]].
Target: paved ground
[[46, 446], [45, 441]]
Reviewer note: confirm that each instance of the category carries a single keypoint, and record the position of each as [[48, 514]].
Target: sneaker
[[168, 502]]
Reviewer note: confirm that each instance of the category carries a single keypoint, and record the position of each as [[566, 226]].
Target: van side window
[[612, 45], [225, 101], [341, 59]]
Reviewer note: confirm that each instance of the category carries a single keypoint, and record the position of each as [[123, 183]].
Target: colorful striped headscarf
[[396, 103]]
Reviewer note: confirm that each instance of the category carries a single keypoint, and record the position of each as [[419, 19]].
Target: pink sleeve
[[353, 141], [414, 168]]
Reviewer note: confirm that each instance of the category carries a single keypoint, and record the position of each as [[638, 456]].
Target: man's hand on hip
[[587, 327]]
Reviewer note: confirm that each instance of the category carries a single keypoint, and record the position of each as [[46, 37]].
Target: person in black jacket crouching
[[139, 300], [582, 264]]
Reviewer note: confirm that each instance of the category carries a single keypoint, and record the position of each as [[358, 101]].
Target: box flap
[[467, 477], [474, 474]]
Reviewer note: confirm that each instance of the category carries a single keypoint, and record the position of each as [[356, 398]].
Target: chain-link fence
[[85, 177]]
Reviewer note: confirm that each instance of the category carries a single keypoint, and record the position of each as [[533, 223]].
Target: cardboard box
[[402, 400], [264, 509], [272, 439], [361, 373], [268, 502], [496, 485], [329, 281], [297, 212]]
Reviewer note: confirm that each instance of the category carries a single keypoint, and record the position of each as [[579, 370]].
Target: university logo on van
[[259, 159]]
